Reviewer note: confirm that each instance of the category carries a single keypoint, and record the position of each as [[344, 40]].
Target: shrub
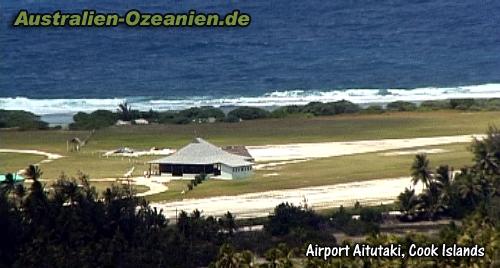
[[203, 112], [181, 120], [401, 106], [21, 119], [492, 104], [370, 215], [231, 119], [330, 108], [249, 113], [435, 105], [340, 218], [287, 217], [373, 109], [95, 120], [285, 111], [462, 104]]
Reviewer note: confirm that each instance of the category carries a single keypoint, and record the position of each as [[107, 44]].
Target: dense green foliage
[[208, 114], [455, 194], [401, 106], [95, 120], [287, 217], [21, 119], [248, 113], [70, 225]]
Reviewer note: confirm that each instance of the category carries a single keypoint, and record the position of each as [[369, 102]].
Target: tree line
[[103, 118]]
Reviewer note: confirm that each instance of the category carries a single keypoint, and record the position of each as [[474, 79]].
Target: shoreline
[[270, 100]]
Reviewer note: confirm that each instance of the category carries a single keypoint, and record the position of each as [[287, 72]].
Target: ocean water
[[293, 52]]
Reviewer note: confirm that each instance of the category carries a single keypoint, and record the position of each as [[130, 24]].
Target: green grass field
[[325, 171], [258, 132], [10, 162]]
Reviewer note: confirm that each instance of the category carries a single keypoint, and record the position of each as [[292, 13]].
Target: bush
[[401, 106], [21, 119], [340, 218], [203, 112], [462, 104], [435, 105], [373, 109], [285, 111], [249, 113], [287, 217], [95, 120], [492, 104], [358, 227], [166, 117], [231, 119], [181, 120], [330, 108], [370, 215]]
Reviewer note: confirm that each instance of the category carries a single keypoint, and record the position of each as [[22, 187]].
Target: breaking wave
[[276, 98]]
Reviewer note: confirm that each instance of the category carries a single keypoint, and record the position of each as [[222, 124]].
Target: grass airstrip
[[90, 160]]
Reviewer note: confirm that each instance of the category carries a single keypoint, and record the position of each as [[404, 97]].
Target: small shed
[[141, 121]]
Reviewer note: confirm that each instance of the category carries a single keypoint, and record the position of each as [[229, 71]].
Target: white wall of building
[[228, 172]]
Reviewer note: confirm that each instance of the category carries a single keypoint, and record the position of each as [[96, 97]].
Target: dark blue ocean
[[289, 46]]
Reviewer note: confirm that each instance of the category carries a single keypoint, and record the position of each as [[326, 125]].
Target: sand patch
[[273, 165], [414, 152], [296, 151], [155, 185], [50, 156], [131, 153], [271, 175]]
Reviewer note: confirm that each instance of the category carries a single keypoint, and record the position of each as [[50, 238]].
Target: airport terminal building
[[202, 157]]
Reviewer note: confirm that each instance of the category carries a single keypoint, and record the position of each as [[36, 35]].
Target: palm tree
[[420, 171], [444, 176], [33, 172], [19, 192], [228, 222], [280, 256], [487, 152], [125, 111], [8, 185], [68, 191], [431, 200], [469, 187], [408, 202], [229, 258]]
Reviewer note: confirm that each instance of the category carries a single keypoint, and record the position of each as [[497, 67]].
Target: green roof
[[17, 177]]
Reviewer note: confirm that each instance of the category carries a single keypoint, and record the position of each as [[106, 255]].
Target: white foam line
[[276, 98]]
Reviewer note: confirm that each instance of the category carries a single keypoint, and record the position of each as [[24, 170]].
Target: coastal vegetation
[[21, 120], [207, 114]]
